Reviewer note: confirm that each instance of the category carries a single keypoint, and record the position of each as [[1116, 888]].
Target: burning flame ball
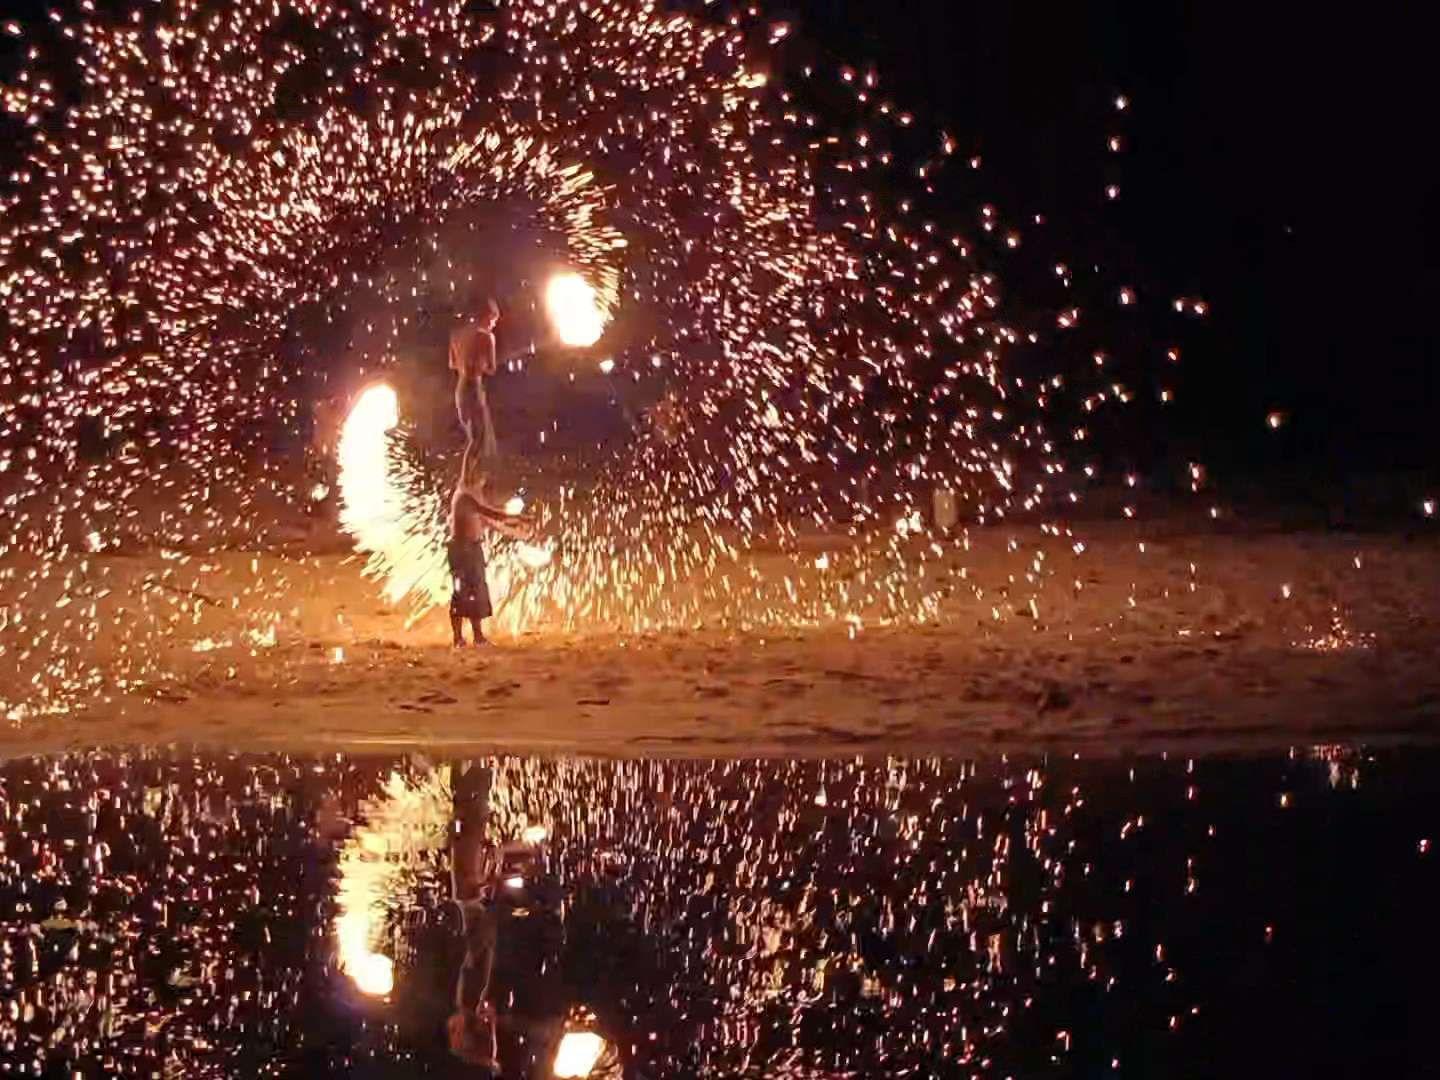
[[574, 310]]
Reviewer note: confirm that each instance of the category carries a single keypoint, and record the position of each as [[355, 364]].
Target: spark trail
[[196, 176]]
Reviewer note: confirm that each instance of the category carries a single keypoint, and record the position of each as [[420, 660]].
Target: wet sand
[[1190, 643]]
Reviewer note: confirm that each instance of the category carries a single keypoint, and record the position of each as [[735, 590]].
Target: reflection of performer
[[471, 1026], [511, 992], [472, 358]]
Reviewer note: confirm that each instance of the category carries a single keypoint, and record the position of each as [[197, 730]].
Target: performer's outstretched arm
[[517, 528]]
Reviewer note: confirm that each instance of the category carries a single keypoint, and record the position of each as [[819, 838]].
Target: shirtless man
[[472, 358]]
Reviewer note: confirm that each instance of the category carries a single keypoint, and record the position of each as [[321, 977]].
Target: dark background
[[1277, 164]]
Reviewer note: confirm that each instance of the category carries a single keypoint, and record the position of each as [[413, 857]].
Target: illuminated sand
[[1348, 654]]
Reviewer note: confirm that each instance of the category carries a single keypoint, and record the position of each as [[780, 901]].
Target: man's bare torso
[[472, 352]]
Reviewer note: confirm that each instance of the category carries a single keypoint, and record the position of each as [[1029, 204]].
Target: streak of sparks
[[196, 177]]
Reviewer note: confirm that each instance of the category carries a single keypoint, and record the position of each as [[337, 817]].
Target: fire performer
[[472, 358], [470, 516]]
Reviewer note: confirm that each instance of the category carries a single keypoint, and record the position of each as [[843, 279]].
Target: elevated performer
[[472, 358]]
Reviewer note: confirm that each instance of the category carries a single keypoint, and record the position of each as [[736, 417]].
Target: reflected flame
[[373, 973], [406, 823], [577, 1054]]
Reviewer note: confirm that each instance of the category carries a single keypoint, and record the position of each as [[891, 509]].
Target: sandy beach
[[1179, 636]]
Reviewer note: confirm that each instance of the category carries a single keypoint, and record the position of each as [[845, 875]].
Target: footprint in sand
[[788, 687]]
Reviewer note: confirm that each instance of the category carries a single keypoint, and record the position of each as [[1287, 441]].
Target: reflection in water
[[400, 836], [271, 915]]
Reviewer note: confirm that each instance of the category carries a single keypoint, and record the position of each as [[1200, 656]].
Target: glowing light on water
[[405, 824], [373, 974], [577, 1054], [574, 310]]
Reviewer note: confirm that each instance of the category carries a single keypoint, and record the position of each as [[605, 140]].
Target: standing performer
[[472, 358], [470, 516]]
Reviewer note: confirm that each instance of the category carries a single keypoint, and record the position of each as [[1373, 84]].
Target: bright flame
[[378, 506], [535, 834], [533, 555], [373, 974], [370, 504], [577, 1054], [574, 310], [396, 517]]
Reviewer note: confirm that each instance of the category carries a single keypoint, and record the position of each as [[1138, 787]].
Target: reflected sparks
[[269, 915]]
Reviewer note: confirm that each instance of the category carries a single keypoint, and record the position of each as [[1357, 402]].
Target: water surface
[[195, 915]]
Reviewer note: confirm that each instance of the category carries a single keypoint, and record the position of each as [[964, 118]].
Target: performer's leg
[[472, 806], [489, 445], [465, 408]]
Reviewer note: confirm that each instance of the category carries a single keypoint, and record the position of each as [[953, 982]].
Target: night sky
[[1277, 165]]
